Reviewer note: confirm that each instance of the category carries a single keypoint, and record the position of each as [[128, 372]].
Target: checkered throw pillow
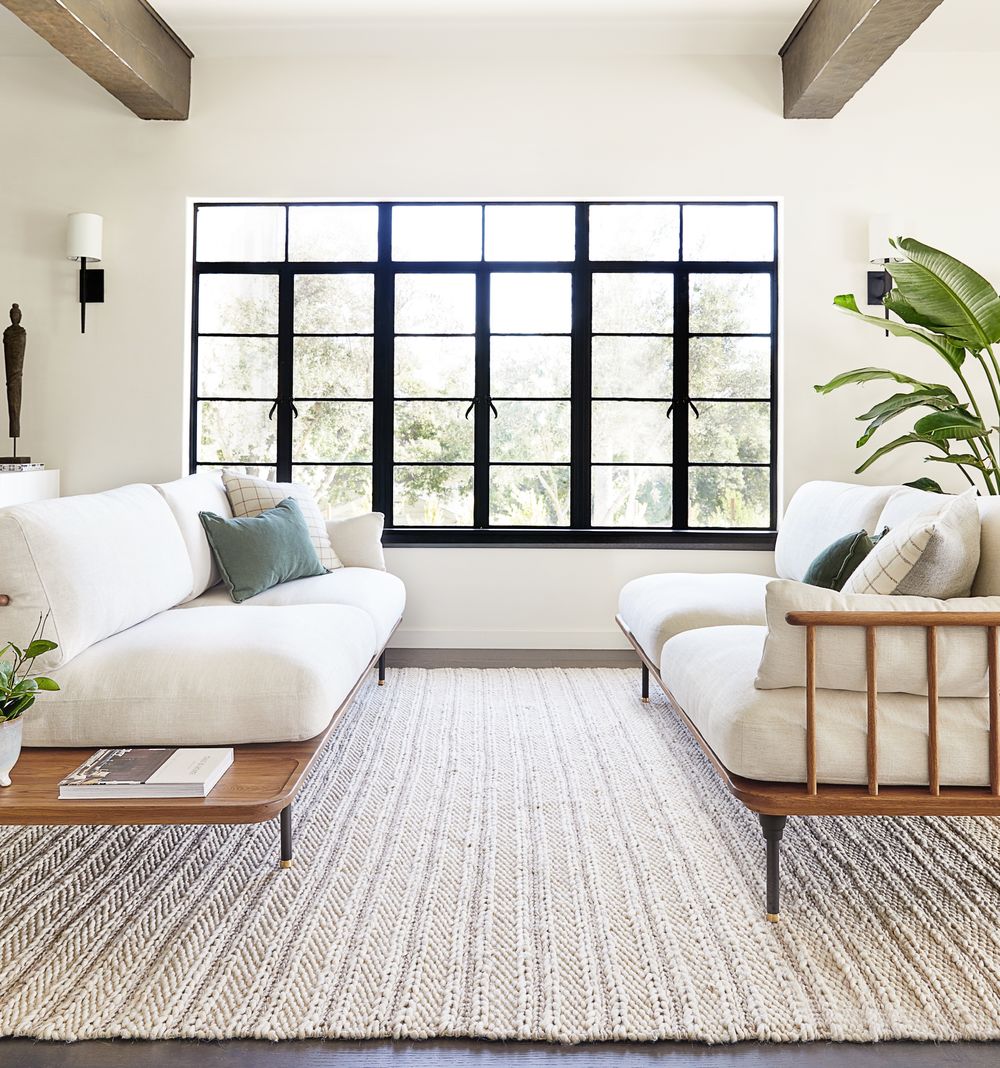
[[884, 569], [250, 496]]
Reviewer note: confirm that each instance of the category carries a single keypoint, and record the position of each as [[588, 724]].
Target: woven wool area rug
[[523, 854]]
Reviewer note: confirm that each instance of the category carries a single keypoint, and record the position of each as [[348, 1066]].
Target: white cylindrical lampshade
[[84, 236], [880, 229]]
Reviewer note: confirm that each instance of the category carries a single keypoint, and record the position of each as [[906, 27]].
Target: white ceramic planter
[[10, 748]]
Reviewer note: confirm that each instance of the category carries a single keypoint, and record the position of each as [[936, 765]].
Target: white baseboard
[[447, 638]]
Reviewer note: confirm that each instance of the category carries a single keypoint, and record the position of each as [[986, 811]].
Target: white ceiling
[[507, 27]]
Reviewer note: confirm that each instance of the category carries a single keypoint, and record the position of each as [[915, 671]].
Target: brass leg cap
[[645, 700], [285, 864], [773, 917], [381, 682]]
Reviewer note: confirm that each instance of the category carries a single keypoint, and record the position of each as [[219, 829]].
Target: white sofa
[[706, 633], [152, 650]]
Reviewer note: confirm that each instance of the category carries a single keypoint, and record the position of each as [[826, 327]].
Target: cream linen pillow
[[926, 556], [358, 540], [902, 651], [250, 496]]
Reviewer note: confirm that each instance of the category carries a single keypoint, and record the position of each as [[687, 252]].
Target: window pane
[[729, 496], [635, 232], [435, 303], [730, 303], [530, 366], [334, 303], [433, 430], [631, 496], [529, 496], [630, 432], [530, 232], [730, 433], [432, 496], [437, 232], [341, 492], [235, 432], [241, 234], [237, 367], [632, 366], [526, 431], [336, 234], [633, 303], [730, 367], [333, 366], [728, 232], [238, 304], [332, 430], [535, 303], [435, 367]]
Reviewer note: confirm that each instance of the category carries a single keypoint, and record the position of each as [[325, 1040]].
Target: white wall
[[110, 407]]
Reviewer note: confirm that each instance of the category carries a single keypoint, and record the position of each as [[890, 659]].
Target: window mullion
[[680, 411], [481, 411], [581, 377], [383, 371], [286, 342]]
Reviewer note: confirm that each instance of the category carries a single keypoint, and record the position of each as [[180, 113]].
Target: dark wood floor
[[21, 1053]]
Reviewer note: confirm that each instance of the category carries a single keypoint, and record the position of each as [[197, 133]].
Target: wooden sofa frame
[[774, 802], [262, 783]]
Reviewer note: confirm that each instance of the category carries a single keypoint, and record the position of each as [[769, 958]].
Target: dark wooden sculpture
[[15, 339]]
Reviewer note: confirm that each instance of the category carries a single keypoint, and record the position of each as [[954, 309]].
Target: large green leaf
[[38, 647], [964, 459], [928, 485], [944, 347], [940, 398], [896, 443], [946, 294], [45, 683], [955, 424], [872, 374]]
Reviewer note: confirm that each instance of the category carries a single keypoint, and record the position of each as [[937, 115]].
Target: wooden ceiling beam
[[837, 46], [123, 45]]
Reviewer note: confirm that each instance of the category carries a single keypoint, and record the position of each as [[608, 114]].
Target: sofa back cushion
[[96, 564], [818, 514], [186, 497], [902, 651], [987, 580]]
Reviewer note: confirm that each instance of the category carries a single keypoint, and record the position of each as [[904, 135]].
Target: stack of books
[[156, 772]]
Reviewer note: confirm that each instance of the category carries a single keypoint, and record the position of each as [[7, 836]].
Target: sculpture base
[[15, 459]]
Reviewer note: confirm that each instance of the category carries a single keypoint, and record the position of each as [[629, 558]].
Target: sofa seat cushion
[[657, 607], [381, 595], [209, 676], [761, 734]]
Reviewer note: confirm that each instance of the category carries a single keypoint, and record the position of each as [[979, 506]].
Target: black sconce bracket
[[879, 286], [91, 290]]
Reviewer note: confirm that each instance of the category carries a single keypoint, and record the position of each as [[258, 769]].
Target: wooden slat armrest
[[893, 619]]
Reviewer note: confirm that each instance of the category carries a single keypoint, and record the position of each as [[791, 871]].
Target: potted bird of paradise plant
[[18, 689], [950, 308]]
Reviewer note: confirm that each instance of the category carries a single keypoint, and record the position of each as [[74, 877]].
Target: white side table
[[20, 487]]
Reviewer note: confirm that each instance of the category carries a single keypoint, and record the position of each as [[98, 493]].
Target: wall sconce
[[84, 237], [880, 229]]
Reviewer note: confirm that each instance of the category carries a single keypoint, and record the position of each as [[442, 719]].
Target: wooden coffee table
[[262, 783]]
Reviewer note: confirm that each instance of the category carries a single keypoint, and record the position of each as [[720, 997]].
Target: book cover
[[148, 772]]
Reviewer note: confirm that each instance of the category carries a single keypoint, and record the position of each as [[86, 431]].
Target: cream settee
[[152, 650], [706, 634]]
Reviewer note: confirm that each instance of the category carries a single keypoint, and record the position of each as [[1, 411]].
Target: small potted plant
[[18, 689]]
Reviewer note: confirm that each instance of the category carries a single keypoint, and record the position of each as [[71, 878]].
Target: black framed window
[[497, 372]]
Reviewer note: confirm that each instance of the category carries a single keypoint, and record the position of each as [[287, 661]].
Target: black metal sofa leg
[[286, 836], [773, 828], [381, 669], [645, 683]]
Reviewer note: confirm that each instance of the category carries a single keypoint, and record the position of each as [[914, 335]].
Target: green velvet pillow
[[837, 562], [257, 552]]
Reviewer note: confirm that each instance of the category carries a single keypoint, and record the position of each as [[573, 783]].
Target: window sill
[[527, 537]]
